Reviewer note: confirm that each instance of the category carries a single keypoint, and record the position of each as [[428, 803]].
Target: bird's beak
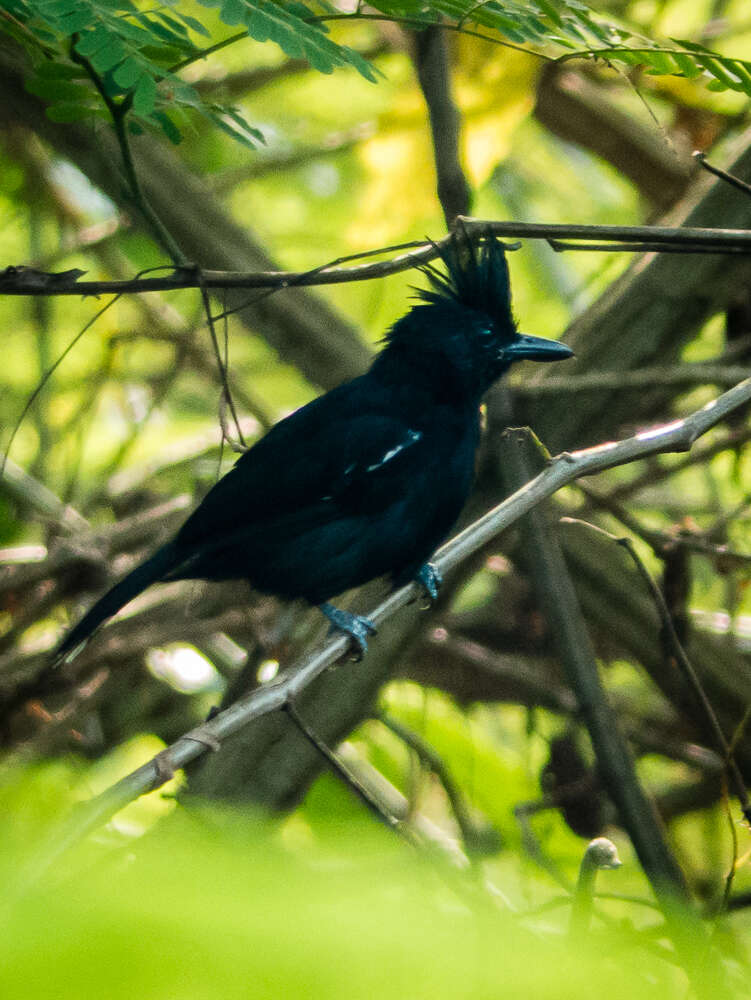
[[524, 346]]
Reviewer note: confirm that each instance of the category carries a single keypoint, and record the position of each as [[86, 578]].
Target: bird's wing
[[378, 456], [343, 451]]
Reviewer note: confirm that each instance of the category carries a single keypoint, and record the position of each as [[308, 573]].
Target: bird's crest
[[476, 276]]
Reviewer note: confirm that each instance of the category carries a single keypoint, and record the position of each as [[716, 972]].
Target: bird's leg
[[430, 579], [357, 627]]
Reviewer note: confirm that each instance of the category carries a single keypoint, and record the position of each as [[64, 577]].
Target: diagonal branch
[[562, 470]]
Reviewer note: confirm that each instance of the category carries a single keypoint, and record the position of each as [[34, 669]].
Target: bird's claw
[[357, 627], [430, 580]]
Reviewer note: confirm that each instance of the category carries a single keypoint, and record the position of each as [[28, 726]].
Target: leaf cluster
[[572, 26], [136, 52]]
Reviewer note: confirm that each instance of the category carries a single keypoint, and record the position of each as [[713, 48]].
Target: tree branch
[[564, 469], [431, 59], [19, 280]]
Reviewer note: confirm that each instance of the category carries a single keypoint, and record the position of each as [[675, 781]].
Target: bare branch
[[18, 280]]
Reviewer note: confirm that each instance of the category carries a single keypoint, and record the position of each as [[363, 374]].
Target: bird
[[368, 479]]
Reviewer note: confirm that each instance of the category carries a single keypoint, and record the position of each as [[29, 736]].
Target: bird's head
[[463, 329]]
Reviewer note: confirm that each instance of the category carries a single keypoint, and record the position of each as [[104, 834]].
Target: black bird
[[368, 479]]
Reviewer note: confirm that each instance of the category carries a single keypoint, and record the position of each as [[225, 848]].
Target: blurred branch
[[273, 162], [558, 602], [118, 110], [663, 543], [730, 442], [696, 373], [101, 546], [478, 839], [26, 491], [431, 59], [689, 673], [471, 672], [300, 327]]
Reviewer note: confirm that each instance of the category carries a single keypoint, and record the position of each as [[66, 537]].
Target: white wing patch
[[412, 438]]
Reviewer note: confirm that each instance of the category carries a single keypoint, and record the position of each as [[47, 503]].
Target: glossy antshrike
[[368, 479]]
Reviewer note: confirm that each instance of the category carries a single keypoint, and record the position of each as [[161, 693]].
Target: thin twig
[[663, 542], [119, 112], [48, 375], [735, 182], [223, 371], [656, 246], [477, 840], [338, 766]]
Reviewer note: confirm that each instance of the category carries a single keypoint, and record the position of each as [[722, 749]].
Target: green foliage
[[564, 22], [136, 52], [217, 905], [689, 60], [132, 54], [289, 25], [572, 25]]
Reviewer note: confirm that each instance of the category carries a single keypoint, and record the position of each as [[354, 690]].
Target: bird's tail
[[148, 572]]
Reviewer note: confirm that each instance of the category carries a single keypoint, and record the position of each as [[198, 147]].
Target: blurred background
[[461, 718]]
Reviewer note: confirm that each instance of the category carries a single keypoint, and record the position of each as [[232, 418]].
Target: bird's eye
[[486, 335]]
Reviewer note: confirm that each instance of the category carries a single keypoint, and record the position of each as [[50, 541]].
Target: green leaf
[[660, 63], [743, 71], [286, 24], [68, 112], [75, 21], [239, 135], [92, 41], [245, 126], [144, 96], [687, 65], [194, 24], [109, 55], [168, 127], [363, 67], [58, 90], [49, 70], [163, 30], [729, 74], [234, 12], [127, 73], [134, 32], [175, 26], [722, 72]]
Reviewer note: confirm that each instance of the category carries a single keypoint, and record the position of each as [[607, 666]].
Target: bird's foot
[[430, 579], [357, 627]]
